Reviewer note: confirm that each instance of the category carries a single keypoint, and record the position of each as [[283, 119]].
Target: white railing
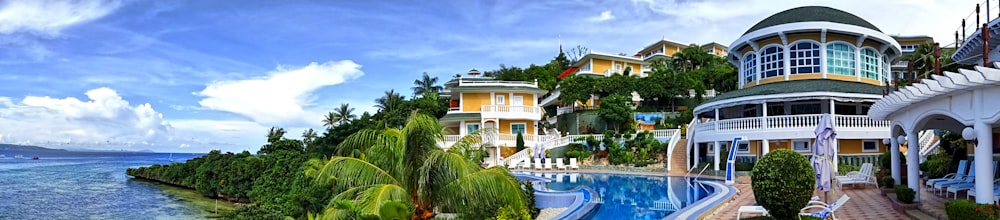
[[793, 121], [571, 109], [859, 121], [513, 137], [511, 108], [517, 157], [469, 82], [551, 98], [704, 126], [664, 132], [552, 120], [739, 124], [675, 135]]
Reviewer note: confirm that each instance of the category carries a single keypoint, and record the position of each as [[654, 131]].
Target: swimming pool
[[627, 196]]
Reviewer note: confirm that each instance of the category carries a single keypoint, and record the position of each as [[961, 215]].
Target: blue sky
[[189, 76]]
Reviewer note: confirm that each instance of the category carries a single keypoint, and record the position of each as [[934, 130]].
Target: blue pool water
[[632, 196]]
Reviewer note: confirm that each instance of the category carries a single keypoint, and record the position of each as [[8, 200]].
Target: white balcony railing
[[859, 121], [793, 121], [789, 121], [471, 82], [511, 109]]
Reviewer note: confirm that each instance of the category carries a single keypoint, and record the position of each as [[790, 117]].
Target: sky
[[196, 75]]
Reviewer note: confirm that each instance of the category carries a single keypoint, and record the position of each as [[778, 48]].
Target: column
[[763, 120], [984, 163], [765, 147], [716, 122], [716, 150], [697, 154], [895, 160], [836, 142], [913, 164]]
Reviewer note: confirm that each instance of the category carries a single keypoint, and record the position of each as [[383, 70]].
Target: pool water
[[625, 196]]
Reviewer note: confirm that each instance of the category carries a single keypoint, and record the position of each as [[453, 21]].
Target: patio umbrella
[[823, 153]]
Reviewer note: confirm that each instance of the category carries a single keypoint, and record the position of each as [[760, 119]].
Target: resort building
[[509, 107], [795, 66], [908, 45]]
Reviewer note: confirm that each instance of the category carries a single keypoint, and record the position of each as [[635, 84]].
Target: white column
[[763, 120], [913, 164], [716, 122], [857, 65], [787, 62], [895, 160], [836, 142], [697, 154], [984, 163], [716, 150], [822, 58], [766, 147]]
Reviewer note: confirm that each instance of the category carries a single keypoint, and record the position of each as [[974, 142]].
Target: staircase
[[678, 158], [929, 143]]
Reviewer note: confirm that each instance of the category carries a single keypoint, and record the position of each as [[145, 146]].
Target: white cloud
[[284, 97], [605, 16], [104, 119], [49, 17]]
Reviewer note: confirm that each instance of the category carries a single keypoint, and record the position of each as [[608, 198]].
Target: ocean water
[[86, 185]]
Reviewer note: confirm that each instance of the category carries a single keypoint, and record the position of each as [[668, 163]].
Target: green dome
[[812, 13]]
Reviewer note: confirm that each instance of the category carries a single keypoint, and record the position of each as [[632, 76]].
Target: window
[[743, 147], [749, 68], [772, 62], [470, 128], [870, 66], [775, 109], [806, 108], [869, 146], [711, 147], [840, 59], [500, 100], [908, 47], [846, 108], [804, 58], [517, 128], [801, 145], [585, 67]]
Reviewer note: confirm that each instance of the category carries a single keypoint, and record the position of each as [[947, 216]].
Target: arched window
[[772, 62], [804, 58], [749, 68], [870, 66], [840, 59]]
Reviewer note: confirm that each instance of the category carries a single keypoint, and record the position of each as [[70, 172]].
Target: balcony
[[480, 82], [571, 109], [550, 98], [512, 112], [793, 127], [509, 140]]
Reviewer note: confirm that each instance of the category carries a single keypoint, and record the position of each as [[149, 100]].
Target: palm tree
[[344, 114], [275, 134], [308, 136], [375, 167], [389, 102], [425, 85], [330, 119]]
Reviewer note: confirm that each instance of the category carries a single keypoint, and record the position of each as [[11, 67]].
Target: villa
[[795, 66]]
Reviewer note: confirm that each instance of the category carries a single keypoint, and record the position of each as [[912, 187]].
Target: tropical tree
[[425, 84], [375, 167], [616, 110], [344, 114], [329, 120], [275, 134], [308, 136]]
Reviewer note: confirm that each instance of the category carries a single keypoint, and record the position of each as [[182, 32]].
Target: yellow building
[[506, 107]]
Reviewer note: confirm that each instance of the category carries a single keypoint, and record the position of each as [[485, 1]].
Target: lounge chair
[[863, 176], [826, 210], [559, 177], [513, 164], [538, 163], [572, 164], [548, 163], [526, 164], [559, 164], [962, 165], [762, 211], [955, 188], [996, 192], [941, 185]]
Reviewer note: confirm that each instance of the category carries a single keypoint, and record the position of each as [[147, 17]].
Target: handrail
[[463, 82]]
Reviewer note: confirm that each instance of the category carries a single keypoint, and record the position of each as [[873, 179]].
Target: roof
[[663, 41], [812, 13], [461, 116], [713, 44], [806, 85]]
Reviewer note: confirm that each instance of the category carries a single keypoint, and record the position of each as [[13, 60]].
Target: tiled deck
[[865, 203]]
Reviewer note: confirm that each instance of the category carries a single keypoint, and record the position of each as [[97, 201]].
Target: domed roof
[[812, 13]]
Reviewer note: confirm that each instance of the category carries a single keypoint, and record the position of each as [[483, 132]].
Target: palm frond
[[389, 153], [492, 187], [360, 140], [349, 172]]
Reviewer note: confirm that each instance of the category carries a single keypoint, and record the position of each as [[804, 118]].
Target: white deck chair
[[538, 163], [559, 164], [863, 176], [572, 164], [559, 177], [513, 164], [526, 164], [827, 210], [548, 163], [958, 175]]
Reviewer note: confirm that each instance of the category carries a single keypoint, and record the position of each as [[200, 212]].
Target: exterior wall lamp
[[901, 139], [969, 134]]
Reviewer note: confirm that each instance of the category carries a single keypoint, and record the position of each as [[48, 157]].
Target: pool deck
[[865, 203]]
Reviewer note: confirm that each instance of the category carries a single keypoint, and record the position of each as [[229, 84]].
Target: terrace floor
[[865, 203]]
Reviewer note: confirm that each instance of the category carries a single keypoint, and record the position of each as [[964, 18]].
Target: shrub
[[519, 142], [965, 209], [887, 181], [744, 166], [782, 183], [904, 194], [937, 165], [845, 168], [513, 213], [529, 192]]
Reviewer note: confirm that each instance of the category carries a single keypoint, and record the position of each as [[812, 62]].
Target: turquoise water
[[86, 185], [627, 196]]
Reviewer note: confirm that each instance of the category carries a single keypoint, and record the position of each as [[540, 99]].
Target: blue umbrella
[[823, 152]]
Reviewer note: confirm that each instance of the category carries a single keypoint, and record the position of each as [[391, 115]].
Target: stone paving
[[865, 203]]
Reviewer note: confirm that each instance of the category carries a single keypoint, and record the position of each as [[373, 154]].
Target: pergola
[[967, 102]]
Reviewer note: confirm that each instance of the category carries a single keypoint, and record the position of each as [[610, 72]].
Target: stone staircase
[[678, 158]]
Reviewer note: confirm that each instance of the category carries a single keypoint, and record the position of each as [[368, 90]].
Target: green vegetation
[[965, 209], [887, 182], [772, 218], [904, 194], [519, 142], [782, 183], [639, 149], [616, 109]]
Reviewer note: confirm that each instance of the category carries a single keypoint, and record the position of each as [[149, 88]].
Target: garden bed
[[900, 206]]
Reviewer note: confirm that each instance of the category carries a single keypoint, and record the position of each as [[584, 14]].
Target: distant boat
[[35, 158], [18, 156], [171, 157]]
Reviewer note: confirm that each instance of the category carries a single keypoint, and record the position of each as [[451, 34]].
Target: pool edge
[[706, 206]]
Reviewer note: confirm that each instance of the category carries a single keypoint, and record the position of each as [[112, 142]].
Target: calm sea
[[86, 185]]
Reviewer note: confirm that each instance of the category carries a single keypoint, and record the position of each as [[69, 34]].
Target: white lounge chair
[[513, 164], [961, 173], [955, 188], [762, 211], [538, 163], [526, 164], [826, 210], [573, 177], [572, 164], [548, 163], [559, 177], [559, 164], [863, 176]]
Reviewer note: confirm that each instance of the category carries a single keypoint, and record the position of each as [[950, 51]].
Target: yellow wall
[[768, 41], [746, 50], [870, 43], [600, 66], [527, 100], [805, 76], [800, 36], [529, 128], [473, 102], [842, 77], [830, 37], [854, 147], [671, 50], [772, 79]]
